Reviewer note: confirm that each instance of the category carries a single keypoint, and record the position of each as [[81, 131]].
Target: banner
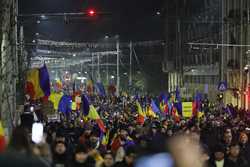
[[187, 110]]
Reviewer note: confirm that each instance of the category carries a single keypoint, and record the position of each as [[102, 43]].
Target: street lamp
[[43, 16]]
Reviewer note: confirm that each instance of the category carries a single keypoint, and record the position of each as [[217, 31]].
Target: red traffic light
[[91, 12]]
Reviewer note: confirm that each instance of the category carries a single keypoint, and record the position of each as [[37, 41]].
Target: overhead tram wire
[[171, 19], [217, 44], [61, 14], [93, 44]]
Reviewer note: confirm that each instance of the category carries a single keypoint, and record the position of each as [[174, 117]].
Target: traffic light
[[91, 12]]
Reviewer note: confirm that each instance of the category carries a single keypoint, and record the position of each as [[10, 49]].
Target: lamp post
[[118, 68], [246, 69]]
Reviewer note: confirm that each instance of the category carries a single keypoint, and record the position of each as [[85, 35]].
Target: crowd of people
[[217, 139]]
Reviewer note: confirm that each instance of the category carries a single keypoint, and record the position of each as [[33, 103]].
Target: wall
[[234, 58]]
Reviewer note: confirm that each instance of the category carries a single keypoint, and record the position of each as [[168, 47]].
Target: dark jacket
[[122, 164], [241, 162], [90, 162], [60, 160], [211, 163], [245, 151], [14, 159]]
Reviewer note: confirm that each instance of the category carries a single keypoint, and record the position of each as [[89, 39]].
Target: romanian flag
[[162, 106], [154, 107], [175, 115], [2, 139], [44, 80], [178, 103], [55, 99], [38, 83], [61, 102], [162, 97], [100, 89], [164, 103], [85, 105], [65, 104], [166, 109], [32, 86], [196, 104], [93, 114], [105, 138], [141, 114], [150, 112]]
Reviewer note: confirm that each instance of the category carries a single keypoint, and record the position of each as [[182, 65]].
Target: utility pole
[[15, 6], [92, 68], [222, 41], [130, 63], [107, 69], [118, 68], [98, 66]]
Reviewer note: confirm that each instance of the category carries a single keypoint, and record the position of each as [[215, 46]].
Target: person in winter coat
[[60, 154], [129, 158], [244, 146], [108, 160], [234, 159], [81, 158], [218, 156]]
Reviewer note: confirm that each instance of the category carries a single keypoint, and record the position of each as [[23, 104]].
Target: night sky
[[130, 19]]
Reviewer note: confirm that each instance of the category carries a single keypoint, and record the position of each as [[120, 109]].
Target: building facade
[[209, 42], [235, 50], [8, 63], [188, 63]]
